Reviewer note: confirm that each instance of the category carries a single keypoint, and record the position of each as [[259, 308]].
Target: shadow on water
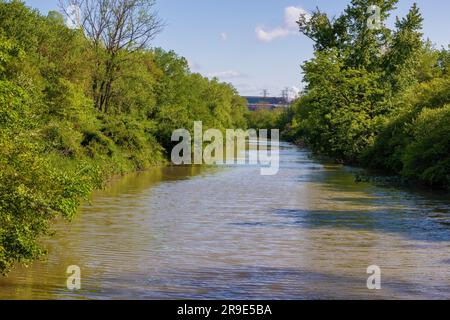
[[414, 213], [333, 176], [142, 181], [404, 223]]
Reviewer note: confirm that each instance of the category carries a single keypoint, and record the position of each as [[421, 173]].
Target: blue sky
[[251, 43]]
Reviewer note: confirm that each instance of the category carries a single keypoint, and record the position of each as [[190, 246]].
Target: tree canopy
[[369, 93]]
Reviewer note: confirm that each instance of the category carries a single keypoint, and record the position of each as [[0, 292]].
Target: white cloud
[[290, 27], [194, 66], [268, 36], [224, 36], [230, 74], [295, 89], [292, 15], [294, 93]]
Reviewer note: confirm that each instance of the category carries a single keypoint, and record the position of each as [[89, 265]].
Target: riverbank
[[377, 176]]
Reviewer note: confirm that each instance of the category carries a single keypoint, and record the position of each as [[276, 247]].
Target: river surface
[[310, 232]]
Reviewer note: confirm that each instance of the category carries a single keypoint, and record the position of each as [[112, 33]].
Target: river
[[227, 232]]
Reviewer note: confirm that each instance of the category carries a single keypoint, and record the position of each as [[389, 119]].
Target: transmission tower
[[285, 94]]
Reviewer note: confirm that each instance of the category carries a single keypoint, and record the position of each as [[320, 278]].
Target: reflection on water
[[228, 232]]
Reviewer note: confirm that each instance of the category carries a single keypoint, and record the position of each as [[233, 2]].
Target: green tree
[[116, 29], [355, 74], [403, 56]]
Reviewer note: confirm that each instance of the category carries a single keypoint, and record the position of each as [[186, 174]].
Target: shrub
[[63, 138], [427, 158]]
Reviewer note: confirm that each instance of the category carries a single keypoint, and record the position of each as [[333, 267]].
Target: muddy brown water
[[226, 232]]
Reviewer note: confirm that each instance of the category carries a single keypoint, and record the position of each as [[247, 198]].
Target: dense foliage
[[57, 145], [376, 96], [268, 119]]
